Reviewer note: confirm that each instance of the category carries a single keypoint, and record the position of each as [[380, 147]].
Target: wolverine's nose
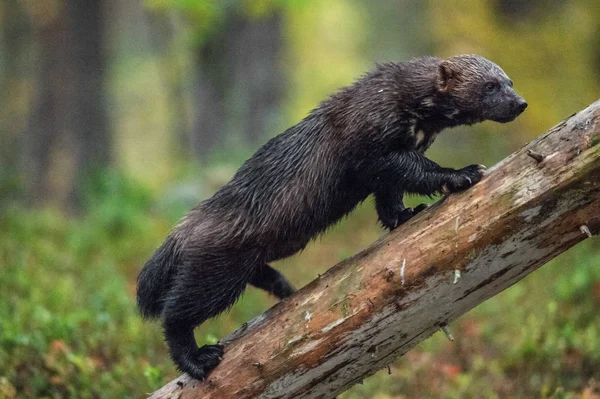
[[521, 105]]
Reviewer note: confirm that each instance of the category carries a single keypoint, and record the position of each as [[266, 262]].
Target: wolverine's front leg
[[412, 171], [385, 183], [390, 206]]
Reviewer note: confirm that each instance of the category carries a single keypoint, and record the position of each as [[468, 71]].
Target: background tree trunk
[[240, 81], [372, 308], [178, 77], [68, 134], [15, 89], [89, 116]]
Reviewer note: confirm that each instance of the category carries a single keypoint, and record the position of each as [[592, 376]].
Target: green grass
[[69, 326]]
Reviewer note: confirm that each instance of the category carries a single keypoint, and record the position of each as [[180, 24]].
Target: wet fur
[[368, 138]]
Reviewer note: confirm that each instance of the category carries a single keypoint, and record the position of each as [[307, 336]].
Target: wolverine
[[368, 138]]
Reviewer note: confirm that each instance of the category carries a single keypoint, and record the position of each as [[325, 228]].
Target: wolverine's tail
[[156, 278]]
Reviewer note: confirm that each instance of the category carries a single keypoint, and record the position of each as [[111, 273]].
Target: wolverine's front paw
[[282, 288], [202, 361], [404, 215], [464, 178]]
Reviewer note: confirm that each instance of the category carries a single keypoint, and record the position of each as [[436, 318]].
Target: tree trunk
[[179, 76], [372, 308], [68, 132], [15, 83], [239, 87], [89, 115]]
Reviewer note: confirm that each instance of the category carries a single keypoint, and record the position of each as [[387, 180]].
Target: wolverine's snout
[[520, 106], [514, 109], [509, 110]]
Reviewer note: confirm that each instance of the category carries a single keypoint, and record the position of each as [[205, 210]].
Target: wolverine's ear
[[446, 76]]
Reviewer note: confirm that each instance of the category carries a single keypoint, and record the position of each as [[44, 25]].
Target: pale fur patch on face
[[412, 127], [420, 137]]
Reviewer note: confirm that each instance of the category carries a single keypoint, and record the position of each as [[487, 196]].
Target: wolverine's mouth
[[506, 118], [509, 117], [510, 111]]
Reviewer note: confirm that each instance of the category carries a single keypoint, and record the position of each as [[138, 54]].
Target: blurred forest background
[[117, 116]]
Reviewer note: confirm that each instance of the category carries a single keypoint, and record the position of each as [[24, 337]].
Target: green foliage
[[69, 325], [207, 17]]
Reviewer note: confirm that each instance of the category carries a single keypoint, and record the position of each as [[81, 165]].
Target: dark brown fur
[[368, 138]]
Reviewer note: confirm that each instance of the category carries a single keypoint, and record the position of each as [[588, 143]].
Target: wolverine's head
[[479, 89]]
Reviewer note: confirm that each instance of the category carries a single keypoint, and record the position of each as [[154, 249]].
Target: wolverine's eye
[[490, 87]]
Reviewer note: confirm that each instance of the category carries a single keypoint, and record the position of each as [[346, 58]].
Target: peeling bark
[[372, 308]]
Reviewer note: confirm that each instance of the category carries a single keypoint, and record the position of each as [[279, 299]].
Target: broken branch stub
[[372, 308]]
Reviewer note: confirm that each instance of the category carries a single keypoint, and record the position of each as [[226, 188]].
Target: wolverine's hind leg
[[186, 355], [272, 281], [203, 288]]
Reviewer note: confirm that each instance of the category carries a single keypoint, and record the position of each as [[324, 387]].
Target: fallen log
[[372, 308]]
